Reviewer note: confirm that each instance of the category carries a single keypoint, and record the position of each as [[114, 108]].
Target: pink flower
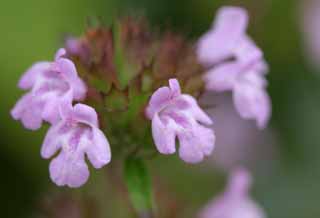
[[248, 85], [178, 115], [227, 38], [50, 84], [76, 135], [236, 64], [234, 202]]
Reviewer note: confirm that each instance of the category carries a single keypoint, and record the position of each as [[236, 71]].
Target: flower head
[[77, 134], [50, 84], [178, 115], [234, 202]]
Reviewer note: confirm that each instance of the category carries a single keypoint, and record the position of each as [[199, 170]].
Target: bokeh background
[[286, 179]]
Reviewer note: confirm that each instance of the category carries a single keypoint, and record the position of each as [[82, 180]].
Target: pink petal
[[222, 77], [175, 87], [196, 111], [252, 103], [61, 52], [239, 182], [196, 142], [207, 139], [69, 71], [30, 76], [67, 68], [52, 141], [85, 114], [190, 148], [247, 51], [163, 135], [228, 29], [98, 151], [69, 169], [261, 67], [79, 89], [50, 112], [232, 21], [66, 109], [158, 100], [28, 111]]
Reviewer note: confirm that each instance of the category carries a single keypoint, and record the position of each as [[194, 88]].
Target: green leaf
[[139, 186]]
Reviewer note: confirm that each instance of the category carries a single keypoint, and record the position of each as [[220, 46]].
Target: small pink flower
[[50, 84], [76, 135], [227, 38], [235, 202], [248, 85], [178, 115], [236, 64]]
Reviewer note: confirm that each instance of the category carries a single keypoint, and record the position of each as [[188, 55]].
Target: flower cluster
[[120, 75], [235, 63], [74, 131]]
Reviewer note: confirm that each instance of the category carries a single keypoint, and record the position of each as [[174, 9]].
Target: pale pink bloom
[[235, 202], [50, 84], [236, 64], [176, 115], [248, 85], [77, 136]]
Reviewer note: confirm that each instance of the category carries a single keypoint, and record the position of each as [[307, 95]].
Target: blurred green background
[[33, 30]]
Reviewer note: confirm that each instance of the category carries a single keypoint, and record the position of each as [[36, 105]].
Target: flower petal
[[247, 51], [67, 67], [175, 87], [28, 111], [85, 114], [79, 89], [222, 77], [158, 100], [69, 71], [195, 110], [30, 76], [207, 139], [98, 151], [239, 182], [252, 103], [163, 135], [61, 52], [232, 21], [228, 29], [190, 148], [50, 112], [52, 141], [69, 169]]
